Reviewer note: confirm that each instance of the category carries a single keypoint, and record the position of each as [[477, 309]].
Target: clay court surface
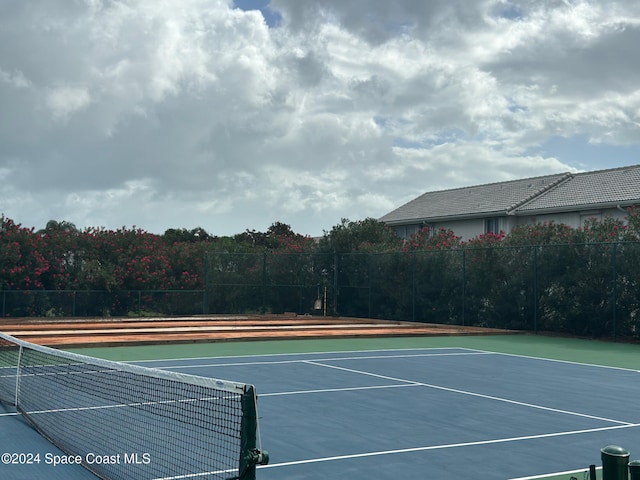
[[125, 331]]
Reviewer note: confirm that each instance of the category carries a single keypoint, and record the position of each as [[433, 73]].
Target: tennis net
[[125, 421]]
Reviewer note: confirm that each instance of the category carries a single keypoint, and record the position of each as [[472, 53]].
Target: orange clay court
[[157, 330]]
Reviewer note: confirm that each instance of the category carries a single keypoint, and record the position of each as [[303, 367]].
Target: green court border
[[593, 352]]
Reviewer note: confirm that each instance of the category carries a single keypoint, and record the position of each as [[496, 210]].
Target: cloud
[[65, 101], [185, 113]]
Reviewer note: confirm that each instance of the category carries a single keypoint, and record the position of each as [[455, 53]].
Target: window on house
[[405, 231], [492, 225], [411, 230]]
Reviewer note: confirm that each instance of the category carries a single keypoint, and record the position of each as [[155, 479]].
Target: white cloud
[[65, 101], [15, 79], [451, 165], [184, 113]]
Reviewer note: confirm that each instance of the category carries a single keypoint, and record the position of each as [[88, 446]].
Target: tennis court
[[483, 407]]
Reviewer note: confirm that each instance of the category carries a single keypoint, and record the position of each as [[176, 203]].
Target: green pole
[[614, 289], [205, 279], [634, 470], [335, 284], [413, 286], [264, 282], [369, 274], [615, 462], [535, 289], [464, 286], [250, 456]]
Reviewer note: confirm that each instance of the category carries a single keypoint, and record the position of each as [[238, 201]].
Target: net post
[[18, 375], [250, 455]]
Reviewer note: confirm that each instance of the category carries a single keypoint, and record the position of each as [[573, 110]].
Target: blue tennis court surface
[[430, 413], [441, 413], [23, 453]]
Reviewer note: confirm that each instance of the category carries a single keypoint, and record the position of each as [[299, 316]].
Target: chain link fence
[[579, 289], [100, 303]]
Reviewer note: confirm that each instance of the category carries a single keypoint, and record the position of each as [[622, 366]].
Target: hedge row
[[538, 277]]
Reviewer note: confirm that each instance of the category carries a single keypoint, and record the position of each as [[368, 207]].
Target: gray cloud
[[191, 113]]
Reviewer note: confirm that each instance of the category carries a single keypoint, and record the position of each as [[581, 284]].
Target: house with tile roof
[[567, 198]]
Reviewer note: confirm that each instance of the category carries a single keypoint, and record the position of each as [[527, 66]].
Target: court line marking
[[473, 394], [199, 474], [569, 362], [284, 362], [446, 446], [330, 352], [627, 425], [369, 454], [418, 349], [342, 389], [274, 394]]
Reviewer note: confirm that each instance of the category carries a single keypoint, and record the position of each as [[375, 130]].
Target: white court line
[[445, 446], [473, 394], [298, 360], [405, 450], [466, 351], [200, 474], [568, 362], [343, 389], [289, 354]]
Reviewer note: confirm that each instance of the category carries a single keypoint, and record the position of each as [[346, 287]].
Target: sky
[[231, 116]]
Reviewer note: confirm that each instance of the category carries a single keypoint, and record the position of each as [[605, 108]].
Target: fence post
[[335, 283], [369, 288], [413, 286], [464, 286], [205, 286], [535, 289], [614, 290], [264, 282]]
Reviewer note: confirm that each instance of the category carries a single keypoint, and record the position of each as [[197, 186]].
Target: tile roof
[[559, 192], [620, 185]]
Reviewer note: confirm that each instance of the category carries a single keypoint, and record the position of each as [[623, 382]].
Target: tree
[[53, 226], [179, 235], [279, 229], [363, 235]]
